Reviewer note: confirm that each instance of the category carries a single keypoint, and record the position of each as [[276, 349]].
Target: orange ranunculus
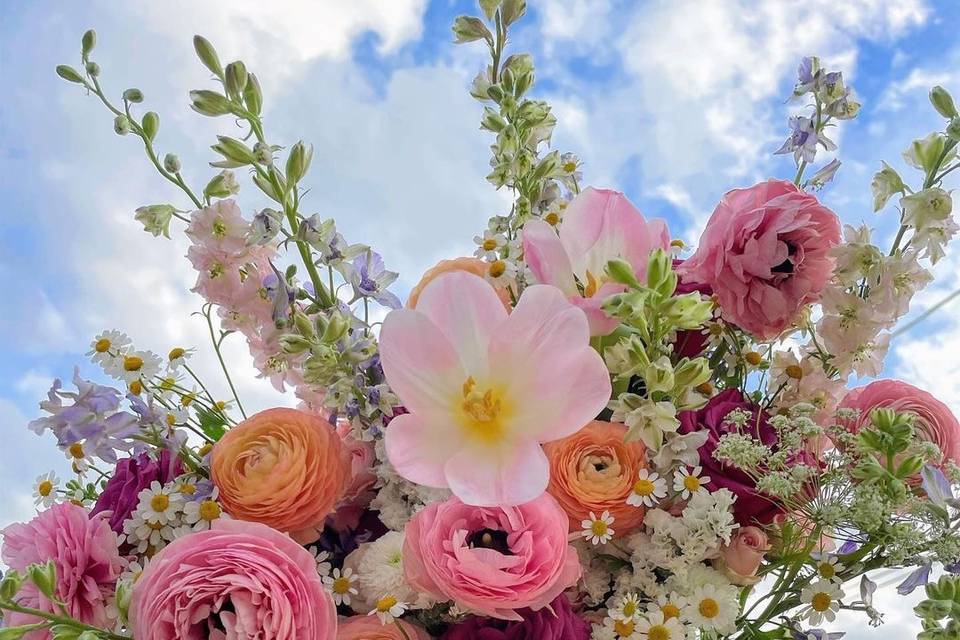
[[282, 467], [594, 470], [475, 266], [370, 628]]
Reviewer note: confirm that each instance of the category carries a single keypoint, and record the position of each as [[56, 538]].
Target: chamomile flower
[[687, 482], [598, 530], [712, 608], [200, 514], [107, 346], [627, 608], [666, 605], [619, 629], [136, 365], [132, 572], [146, 536], [178, 357], [654, 626], [340, 585], [322, 558], [160, 504], [79, 459], [501, 271], [648, 489], [828, 567], [489, 245], [388, 608], [45, 489], [823, 601]]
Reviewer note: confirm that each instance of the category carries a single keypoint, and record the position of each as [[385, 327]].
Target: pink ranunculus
[[362, 458], [491, 561], [237, 581], [84, 550], [740, 559], [598, 226], [370, 628], [934, 421], [765, 252], [484, 388]]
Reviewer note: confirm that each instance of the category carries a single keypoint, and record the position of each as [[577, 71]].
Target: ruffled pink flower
[[362, 458], [370, 628], [237, 581], [484, 388], [491, 561], [84, 550], [740, 559], [934, 421], [598, 226], [765, 252]]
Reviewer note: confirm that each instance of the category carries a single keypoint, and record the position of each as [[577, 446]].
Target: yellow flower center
[[827, 570], [218, 227], [794, 371], [132, 363], [643, 487], [386, 603], [44, 488], [341, 586], [482, 411], [176, 352], [76, 450], [753, 358], [156, 526], [552, 218], [171, 419], [160, 502], [497, 268], [187, 399], [209, 510], [658, 632], [599, 528], [670, 610], [629, 608], [221, 405], [821, 601], [678, 243], [102, 345], [188, 489], [569, 167], [691, 483], [136, 387], [709, 608], [624, 628], [489, 244]]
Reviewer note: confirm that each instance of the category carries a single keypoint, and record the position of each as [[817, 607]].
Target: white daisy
[[146, 536], [45, 489], [598, 530], [176, 416], [829, 567], [489, 245], [666, 605], [823, 600], [107, 346], [688, 482], [501, 271], [655, 627], [712, 608], [160, 504], [136, 365], [178, 357], [79, 460], [647, 490], [341, 586], [200, 514], [627, 608], [322, 558], [388, 608], [619, 629]]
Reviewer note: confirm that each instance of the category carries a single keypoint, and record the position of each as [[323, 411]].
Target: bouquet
[[584, 430]]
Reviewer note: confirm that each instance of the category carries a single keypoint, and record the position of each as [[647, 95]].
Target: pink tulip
[[598, 226], [484, 389]]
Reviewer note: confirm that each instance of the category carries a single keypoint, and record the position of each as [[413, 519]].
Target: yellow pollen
[[599, 528], [592, 286], [218, 227], [670, 610], [176, 352], [497, 268], [221, 405], [160, 502], [658, 632], [188, 489], [168, 383], [624, 628], [482, 411], [44, 488], [691, 483], [76, 450], [706, 389], [209, 510], [552, 218], [386, 603], [132, 363], [136, 387], [489, 244], [709, 608], [342, 586], [680, 244], [643, 487], [827, 570], [102, 345], [794, 371], [821, 601]]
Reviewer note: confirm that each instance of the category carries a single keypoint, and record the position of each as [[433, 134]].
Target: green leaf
[[212, 423]]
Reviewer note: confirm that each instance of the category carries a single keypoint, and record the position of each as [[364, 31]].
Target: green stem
[[799, 177], [223, 365], [56, 619]]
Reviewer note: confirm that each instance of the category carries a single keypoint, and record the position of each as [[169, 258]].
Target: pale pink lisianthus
[[598, 226], [491, 561], [84, 550], [934, 421], [237, 581], [484, 388], [765, 252]]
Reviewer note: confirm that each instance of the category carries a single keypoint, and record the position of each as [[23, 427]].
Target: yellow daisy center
[[629, 608], [643, 487], [160, 502], [136, 387], [187, 399], [341, 586], [132, 363], [497, 268], [171, 419], [624, 628], [218, 227], [177, 352], [821, 601], [670, 610], [44, 488], [827, 570], [188, 489], [102, 345], [569, 167], [794, 371], [599, 528], [76, 450], [386, 603], [658, 632], [691, 483], [209, 510], [709, 608], [489, 244], [482, 411], [552, 218]]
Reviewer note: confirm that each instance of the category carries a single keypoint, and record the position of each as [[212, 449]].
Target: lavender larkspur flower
[[370, 279], [804, 139]]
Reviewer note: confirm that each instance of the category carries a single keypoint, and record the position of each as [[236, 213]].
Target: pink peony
[[765, 252], [491, 561], [740, 559], [934, 421], [237, 581], [598, 226], [84, 550]]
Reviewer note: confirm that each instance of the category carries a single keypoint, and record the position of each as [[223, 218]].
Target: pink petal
[[419, 448], [600, 323], [514, 474], [546, 256], [419, 362], [466, 309]]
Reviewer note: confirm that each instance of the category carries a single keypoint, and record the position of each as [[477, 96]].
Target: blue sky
[[671, 102]]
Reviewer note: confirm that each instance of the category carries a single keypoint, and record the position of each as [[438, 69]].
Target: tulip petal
[[418, 448], [513, 474], [546, 257], [420, 364], [466, 309]]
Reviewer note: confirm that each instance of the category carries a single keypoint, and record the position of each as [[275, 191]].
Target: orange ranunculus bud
[[475, 266]]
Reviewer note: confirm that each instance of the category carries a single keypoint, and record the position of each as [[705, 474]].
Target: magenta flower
[[131, 476], [484, 388], [491, 561], [765, 252], [598, 226], [84, 550], [556, 622]]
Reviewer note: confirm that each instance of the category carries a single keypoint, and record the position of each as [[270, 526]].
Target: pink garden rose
[[237, 581], [84, 550], [740, 559], [934, 421], [491, 561], [765, 252], [598, 226], [484, 388]]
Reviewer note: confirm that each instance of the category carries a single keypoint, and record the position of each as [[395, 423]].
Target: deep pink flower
[[765, 252], [491, 561], [556, 622], [84, 550], [598, 226], [934, 421], [131, 476], [237, 581]]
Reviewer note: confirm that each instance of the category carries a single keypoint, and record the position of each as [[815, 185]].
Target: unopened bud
[[93, 69], [150, 124], [252, 95], [298, 162], [469, 28], [88, 42], [69, 74], [210, 103], [133, 95], [207, 55], [121, 125], [223, 185], [942, 101], [953, 129], [293, 344], [237, 153], [621, 271], [155, 218], [10, 585], [236, 79], [44, 576], [171, 163]]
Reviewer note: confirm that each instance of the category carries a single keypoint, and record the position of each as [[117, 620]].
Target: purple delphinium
[[554, 622], [370, 279], [130, 477]]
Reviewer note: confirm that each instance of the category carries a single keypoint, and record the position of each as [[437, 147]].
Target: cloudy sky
[[673, 102]]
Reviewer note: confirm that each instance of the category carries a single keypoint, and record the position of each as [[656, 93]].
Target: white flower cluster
[[166, 512]]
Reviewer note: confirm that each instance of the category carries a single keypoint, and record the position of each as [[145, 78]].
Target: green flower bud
[[155, 218], [64, 632], [171, 163], [511, 11], [687, 311], [885, 183], [210, 103], [303, 324], [489, 7], [492, 121], [93, 69], [150, 124], [298, 162], [208, 55], [223, 185], [692, 373], [237, 153], [10, 585], [88, 42], [953, 129], [469, 28], [121, 125], [252, 95], [44, 576], [293, 344], [336, 328], [925, 153], [133, 95], [622, 272], [660, 276], [942, 101], [236, 79], [658, 375], [69, 74]]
